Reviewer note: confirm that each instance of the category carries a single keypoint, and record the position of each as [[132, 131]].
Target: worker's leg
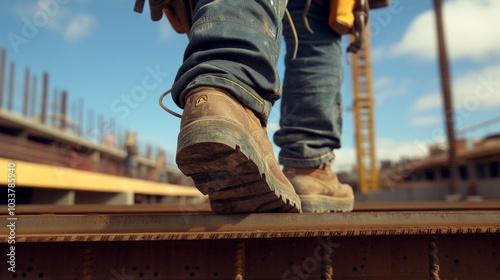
[[234, 45], [311, 106], [311, 111], [227, 85]]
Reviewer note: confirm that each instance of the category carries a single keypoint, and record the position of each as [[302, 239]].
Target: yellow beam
[[35, 175]]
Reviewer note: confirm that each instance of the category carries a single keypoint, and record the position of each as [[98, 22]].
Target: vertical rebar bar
[[447, 98], [62, 124], [239, 260], [10, 100], [45, 87], [26, 98], [100, 129], [88, 263], [326, 262], [33, 98], [2, 75], [80, 117], [72, 114], [433, 258], [90, 125], [113, 131], [54, 108]]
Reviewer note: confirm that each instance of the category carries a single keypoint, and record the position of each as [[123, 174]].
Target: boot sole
[[223, 161], [326, 204]]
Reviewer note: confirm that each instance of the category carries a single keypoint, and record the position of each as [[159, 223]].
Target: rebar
[[45, 88], [26, 92], [433, 259], [326, 262], [239, 260]]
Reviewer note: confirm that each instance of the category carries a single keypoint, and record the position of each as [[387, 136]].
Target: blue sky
[[119, 62]]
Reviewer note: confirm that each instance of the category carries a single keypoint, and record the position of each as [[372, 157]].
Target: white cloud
[[165, 30], [383, 82], [388, 88], [378, 53], [427, 102], [387, 149], [473, 92], [478, 89], [345, 159], [79, 27], [390, 149], [40, 11], [57, 17], [22, 9], [469, 28], [425, 120], [272, 127]]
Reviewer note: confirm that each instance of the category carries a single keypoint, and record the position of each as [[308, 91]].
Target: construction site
[[85, 198]]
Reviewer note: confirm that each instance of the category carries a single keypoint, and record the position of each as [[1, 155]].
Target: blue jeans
[[234, 44], [311, 106]]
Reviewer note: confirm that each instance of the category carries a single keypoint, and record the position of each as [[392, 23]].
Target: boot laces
[[165, 107]]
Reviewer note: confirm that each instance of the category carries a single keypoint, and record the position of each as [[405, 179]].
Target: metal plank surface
[[205, 207], [198, 226]]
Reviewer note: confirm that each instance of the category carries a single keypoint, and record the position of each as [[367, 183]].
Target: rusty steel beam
[[120, 227], [427, 205], [448, 100], [352, 257], [205, 207]]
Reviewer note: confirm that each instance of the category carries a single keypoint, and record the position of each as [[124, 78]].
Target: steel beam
[[447, 101], [205, 207], [352, 257], [199, 226], [195, 245]]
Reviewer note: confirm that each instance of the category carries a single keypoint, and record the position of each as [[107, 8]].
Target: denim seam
[[240, 86]]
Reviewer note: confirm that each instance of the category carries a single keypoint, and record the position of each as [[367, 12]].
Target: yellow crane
[[364, 118]]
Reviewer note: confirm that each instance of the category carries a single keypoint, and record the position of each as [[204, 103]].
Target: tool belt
[[351, 17], [342, 18], [346, 16], [179, 13]]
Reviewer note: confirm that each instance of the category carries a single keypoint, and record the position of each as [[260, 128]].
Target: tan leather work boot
[[224, 148], [319, 189]]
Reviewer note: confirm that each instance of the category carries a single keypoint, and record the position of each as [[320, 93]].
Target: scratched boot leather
[[223, 147], [319, 189]]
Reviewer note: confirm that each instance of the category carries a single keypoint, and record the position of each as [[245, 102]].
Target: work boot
[[223, 146], [319, 189]]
